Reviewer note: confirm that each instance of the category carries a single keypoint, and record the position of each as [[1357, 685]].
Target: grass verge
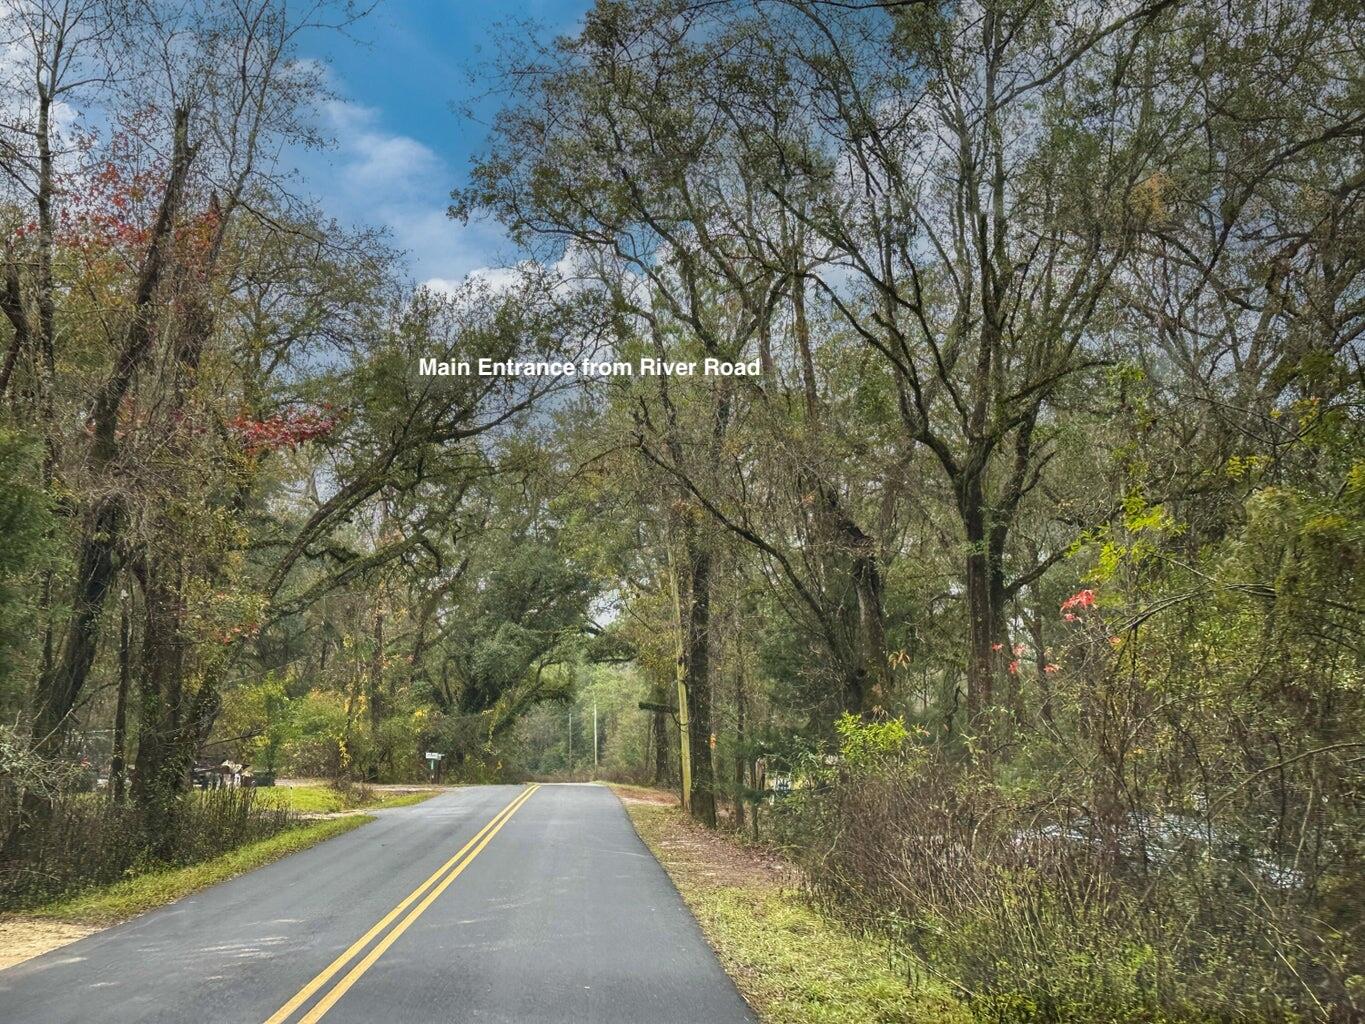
[[328, 800], [793, 964], [110, 904], [405, 799]]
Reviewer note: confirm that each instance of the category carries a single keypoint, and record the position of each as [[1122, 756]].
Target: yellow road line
[[306, 993], [352, 976]]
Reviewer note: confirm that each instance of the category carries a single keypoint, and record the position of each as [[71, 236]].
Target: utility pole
[[684, 719], [594, 739], [571, 741]]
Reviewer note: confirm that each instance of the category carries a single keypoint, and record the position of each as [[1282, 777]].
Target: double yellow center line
[[427, 893]]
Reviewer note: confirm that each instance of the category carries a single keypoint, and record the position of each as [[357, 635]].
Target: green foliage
[[529, 601], [866, 747], [26, 523], [540, 744], [322, 743], [263, 712], [1032, 559]]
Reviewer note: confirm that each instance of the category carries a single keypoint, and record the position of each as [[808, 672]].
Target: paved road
[[448, 911]]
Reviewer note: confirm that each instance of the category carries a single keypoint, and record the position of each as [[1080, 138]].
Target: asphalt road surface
[[487, 904]]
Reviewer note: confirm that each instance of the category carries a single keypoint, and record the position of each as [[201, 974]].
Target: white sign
[[432, 756]]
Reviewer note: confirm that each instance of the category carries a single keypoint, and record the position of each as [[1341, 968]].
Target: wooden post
[[684, 719]]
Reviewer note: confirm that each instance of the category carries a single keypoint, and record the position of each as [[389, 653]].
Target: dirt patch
[[710, 857], [644, 795], [721, 860], [22, 938]]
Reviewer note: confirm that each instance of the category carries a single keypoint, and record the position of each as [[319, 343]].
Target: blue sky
[[399, 145]]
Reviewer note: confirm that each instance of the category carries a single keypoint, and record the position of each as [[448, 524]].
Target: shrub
[[86, 839], [1040, 914], [867, 746]]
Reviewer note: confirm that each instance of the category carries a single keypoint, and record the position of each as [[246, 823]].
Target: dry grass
[[644, 795]]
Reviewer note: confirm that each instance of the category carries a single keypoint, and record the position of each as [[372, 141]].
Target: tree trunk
[[740, 740], [981, 615], [871, 653], [699, 683], [163, 757], [118, 771], [663, 694], [59, 688], [45, 288], [12, 303], [868, 679], [61, 685], [377, 696]]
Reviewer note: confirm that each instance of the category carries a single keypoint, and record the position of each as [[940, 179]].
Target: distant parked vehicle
[[227, 775]]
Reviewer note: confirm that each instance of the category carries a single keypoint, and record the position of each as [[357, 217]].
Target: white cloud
[[386, 160], [373, 159], [442, 286], [376, 177], [495, 279], [573, 270]]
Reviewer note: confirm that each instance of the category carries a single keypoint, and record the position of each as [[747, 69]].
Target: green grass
[[304, 799], [326, 800], [405, 799], [113, 903], [794, 965]]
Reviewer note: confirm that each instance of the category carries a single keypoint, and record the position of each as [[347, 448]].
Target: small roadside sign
[[434, 763]]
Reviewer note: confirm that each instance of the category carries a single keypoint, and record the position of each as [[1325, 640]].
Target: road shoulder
[[793, 965]]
